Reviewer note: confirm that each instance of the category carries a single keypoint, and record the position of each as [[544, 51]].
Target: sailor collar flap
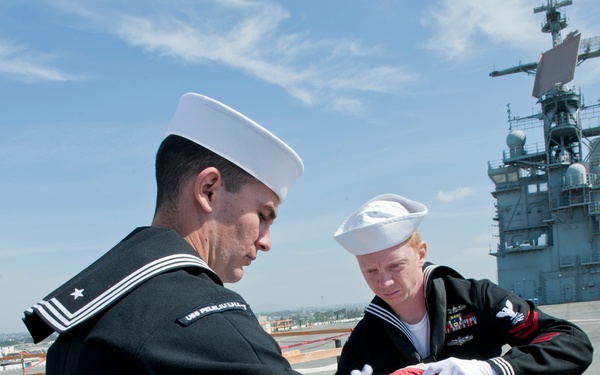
[[378, 308], [143, 254]]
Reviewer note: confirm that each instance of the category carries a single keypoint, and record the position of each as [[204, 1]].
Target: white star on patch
[[77, 293]]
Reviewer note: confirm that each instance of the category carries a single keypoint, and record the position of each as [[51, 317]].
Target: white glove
[[455, 366], [367, 370]]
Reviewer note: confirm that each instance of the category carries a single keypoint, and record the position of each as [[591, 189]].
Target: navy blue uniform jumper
[[151, 305], [469, 319]]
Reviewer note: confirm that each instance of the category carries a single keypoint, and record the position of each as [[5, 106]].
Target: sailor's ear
[[422, 250], [207, 185]]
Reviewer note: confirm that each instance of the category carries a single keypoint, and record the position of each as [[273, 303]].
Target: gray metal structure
[[548, 194]]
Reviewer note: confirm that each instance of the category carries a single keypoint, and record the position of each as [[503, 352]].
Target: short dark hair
[[179, 159]]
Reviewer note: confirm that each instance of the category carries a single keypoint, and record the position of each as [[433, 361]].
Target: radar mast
[[548, 196]]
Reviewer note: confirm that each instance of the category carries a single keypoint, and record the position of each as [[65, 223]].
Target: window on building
[[499, 178], [532, 188]]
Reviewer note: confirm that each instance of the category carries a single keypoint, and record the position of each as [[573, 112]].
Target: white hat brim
[[238, 139], [383, 234]]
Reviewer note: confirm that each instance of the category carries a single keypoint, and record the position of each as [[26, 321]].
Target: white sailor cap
[[238, 139], [385, 221]]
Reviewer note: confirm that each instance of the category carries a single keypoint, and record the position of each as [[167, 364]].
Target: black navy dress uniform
[[151, 305], [469, 319]]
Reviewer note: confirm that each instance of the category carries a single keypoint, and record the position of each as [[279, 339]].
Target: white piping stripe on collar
[[105, 298], [387, 316], [504, 365], [427, 274], [63, 320]]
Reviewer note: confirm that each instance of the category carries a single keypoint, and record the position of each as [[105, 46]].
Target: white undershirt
[[420, 334]]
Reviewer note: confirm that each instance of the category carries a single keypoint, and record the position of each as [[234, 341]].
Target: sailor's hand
[[367, 370], [455, 366]]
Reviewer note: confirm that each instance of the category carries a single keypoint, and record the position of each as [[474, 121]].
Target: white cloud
[[347, 105], [460, 28], [248, 36], [454, 195], [20, 63]]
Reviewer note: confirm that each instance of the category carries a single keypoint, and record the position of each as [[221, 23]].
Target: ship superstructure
[[548, 194]]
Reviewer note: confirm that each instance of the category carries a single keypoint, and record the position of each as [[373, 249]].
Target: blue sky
[[377, 96]]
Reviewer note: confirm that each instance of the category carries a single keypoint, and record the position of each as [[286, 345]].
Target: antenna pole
[[555, 19]]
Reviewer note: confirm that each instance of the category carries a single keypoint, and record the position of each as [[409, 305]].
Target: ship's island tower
[[548, 194]]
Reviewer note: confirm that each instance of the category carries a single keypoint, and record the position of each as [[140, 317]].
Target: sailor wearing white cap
[[381, 223], [155, 303], [238, 139], [431, 317]]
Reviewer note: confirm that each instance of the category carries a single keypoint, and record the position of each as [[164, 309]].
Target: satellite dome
[[515, 140], [576, 175]]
